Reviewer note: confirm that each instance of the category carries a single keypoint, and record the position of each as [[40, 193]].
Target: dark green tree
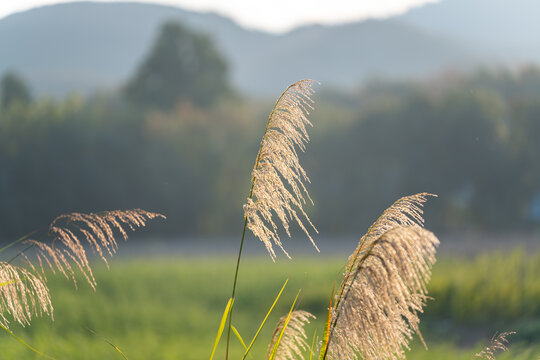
[[13, 88], [182, 65]]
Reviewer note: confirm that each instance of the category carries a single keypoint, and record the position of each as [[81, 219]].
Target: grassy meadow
[[170, 307]]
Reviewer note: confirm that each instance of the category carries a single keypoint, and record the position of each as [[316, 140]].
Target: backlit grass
[[169, 308]]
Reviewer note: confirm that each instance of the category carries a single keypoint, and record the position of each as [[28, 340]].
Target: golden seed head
[[293, 341], [65, 249], [499, 342], [375, 313], [278, 179], [22, 294]]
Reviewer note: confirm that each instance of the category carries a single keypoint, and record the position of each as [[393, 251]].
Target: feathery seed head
[[22, 294], [379, 315], [293, 342], [278, 179], [376, 310], [498, 343], [406, 211], [97, 229]]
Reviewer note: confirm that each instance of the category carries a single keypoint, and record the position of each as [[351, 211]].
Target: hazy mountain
[[505, 30], [89, 46], [345, 55], [85, 46]]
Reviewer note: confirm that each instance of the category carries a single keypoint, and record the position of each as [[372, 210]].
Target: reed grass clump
[[374, 313]]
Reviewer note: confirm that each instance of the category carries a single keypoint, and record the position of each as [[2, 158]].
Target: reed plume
[[375, 313], [498, 343], [65, 247], [22, 294], [406, 211], [276, 164], [292, 340], [278, 180]]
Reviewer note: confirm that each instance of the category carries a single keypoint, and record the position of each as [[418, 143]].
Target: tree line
[[471, 139]]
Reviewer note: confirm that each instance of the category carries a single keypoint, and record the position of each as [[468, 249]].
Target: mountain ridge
[[504, 29], [90, 46]]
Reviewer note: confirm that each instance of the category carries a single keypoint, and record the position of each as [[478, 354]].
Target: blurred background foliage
[[181, 65], [179, 140]]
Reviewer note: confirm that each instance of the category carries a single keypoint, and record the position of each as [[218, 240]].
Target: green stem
[[234, 288], [18, 241], [24, 343], [241, 247]]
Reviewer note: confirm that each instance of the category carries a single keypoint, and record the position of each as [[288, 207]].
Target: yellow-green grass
[[170, 308], [492, 288]]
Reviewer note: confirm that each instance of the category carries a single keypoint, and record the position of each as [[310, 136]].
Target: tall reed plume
[[278, 180]]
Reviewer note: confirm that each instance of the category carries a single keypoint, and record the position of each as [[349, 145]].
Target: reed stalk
[[277, 160]]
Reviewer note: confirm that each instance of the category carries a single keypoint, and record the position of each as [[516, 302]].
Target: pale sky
[[269, 15]]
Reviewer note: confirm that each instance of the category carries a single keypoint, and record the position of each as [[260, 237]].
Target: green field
[[169, 308]]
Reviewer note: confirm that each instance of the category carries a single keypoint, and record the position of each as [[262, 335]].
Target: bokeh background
[[141, 105]]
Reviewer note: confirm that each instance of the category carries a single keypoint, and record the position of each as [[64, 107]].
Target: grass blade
[[221, 326], [8, 282], [264, 320], [312, 344], [276, 346], [235, 331], [24, 343], [22, 238], [108, 342]]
